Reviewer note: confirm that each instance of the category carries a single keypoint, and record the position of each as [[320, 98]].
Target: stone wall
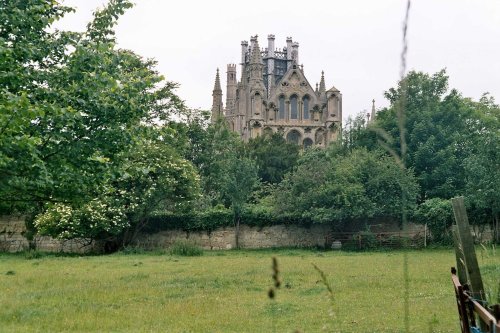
[[12, 239], [12, 230], [250, 237]]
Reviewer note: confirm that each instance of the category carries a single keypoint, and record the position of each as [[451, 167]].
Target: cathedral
[[274, 96]]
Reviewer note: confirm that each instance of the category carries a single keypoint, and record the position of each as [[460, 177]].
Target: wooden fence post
[[461, 268], [467, 251]]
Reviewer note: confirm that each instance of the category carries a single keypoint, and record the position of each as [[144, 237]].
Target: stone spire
[[255, 55], [217, 107], [256, 65], [322, 87], [217, 82]]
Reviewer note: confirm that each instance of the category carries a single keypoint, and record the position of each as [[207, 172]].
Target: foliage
[[483, 164], [332, 187], [84, 133], [437, 213], [274, 156], [152, 177], [452, 141], [185, 248], [210, 150]]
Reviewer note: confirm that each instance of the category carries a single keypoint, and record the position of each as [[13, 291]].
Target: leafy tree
[[152, 177], [274, 156], [210, 150], [483, 164], [436, 131], [79, 125], [239, 182], [333, 187]]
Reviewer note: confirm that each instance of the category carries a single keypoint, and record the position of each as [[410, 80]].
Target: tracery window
[[281, 106], [305, 101], [293, 107]]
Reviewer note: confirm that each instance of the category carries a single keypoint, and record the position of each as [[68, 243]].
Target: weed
[[185, 248], [132, 250], [33, 254]]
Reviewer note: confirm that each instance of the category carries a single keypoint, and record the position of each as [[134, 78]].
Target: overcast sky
[[357, 43]]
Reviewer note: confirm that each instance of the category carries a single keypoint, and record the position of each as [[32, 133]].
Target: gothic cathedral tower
[[274, 96]]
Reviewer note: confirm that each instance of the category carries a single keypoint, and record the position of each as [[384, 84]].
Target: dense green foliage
[[274, 156], [331, 186], [80, 141], [453, 143]]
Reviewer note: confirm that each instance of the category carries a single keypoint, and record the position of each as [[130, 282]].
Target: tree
[[436, 132], [334, 186], [239, 182], [80, 124], [152, 177], [274, 156], [483, 164]]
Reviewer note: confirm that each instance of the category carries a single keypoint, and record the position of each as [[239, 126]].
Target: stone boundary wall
[[250, 237], [12, 239]]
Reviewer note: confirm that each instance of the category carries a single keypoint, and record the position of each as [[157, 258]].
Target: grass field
[[227, 292]]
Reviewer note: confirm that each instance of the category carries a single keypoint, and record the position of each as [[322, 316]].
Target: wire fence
[[366, 240]]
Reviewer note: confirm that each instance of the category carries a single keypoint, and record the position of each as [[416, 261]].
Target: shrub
[[437, 213], [185, 248]]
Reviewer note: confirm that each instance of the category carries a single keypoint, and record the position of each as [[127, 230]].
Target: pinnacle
[[217, 81]]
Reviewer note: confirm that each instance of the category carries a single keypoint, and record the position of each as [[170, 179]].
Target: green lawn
[[227, 292]]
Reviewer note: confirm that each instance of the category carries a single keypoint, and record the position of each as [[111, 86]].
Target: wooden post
[[467, 250], [461, 269]]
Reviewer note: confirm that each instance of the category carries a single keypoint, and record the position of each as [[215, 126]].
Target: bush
[[185, 248], [437, 213]]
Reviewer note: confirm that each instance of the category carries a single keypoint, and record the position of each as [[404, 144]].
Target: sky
[[357, 43]]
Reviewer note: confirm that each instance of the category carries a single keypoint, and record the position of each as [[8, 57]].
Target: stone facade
[[274, 96]]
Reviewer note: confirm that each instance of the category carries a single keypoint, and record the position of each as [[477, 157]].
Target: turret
[[217, 107], [244, 50], [372, 118], [289, 51], [295, 53], [231, 88], [270, 65], [270, 46]]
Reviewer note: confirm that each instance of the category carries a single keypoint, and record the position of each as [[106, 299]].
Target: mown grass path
[[227, 292]]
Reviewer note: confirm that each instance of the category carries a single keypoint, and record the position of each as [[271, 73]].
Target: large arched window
[[293, 137], [307, 143], [281, 106], [306, 107], [294, 114]]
